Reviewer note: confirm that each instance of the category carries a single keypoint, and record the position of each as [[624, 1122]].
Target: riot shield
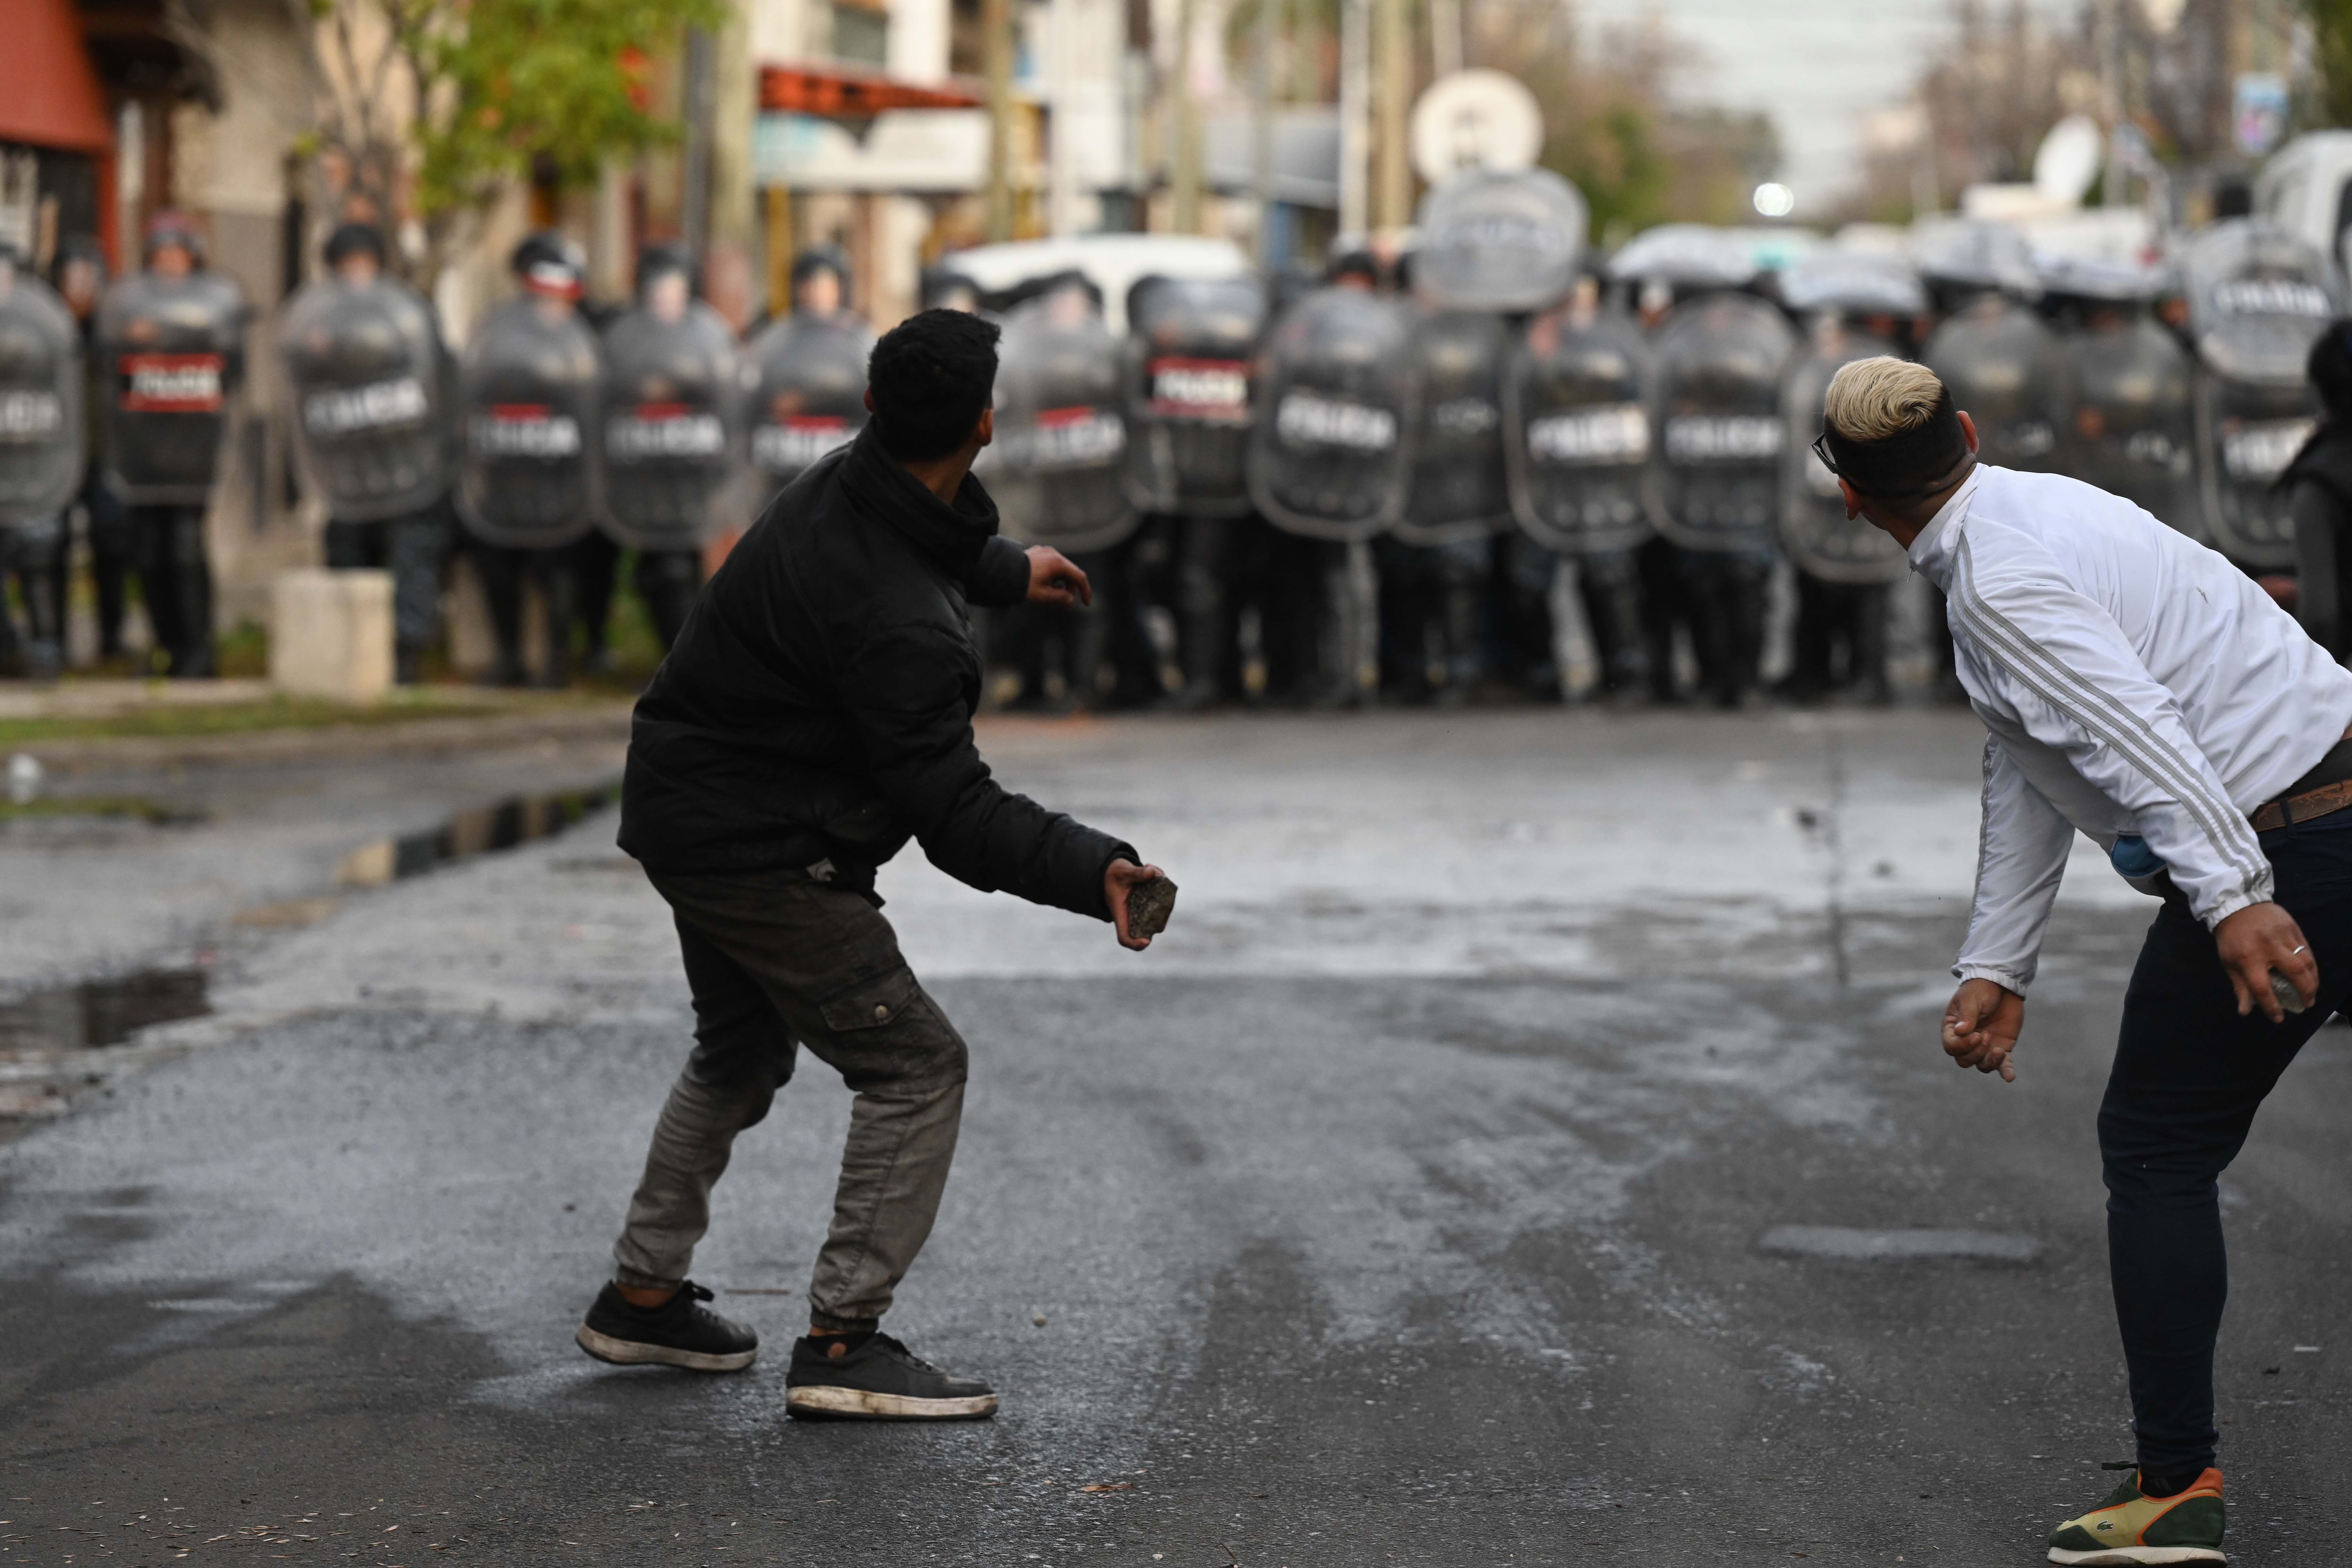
[[2002, 368], [1851, 283], [2257, 299], [1499, 241], [174, 350], [1331, 455], [1458, 488], [673, 397], [1813, 525], [371, 397], [1188, 393], [2129, 389], [807, 393], [1057, 465], [530, 392], [1688, 255], [1715, 401], [1576, 434], [41, 400], [1961, 256]]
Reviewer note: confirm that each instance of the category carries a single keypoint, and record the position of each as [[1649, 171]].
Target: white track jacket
[[2134, 681]]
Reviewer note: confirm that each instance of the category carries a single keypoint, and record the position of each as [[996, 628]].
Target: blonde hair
[[1878, 399]]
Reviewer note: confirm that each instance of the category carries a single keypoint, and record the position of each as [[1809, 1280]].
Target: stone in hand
[[1148, 905]]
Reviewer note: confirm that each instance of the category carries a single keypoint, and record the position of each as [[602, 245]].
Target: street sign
[[1475, 120]]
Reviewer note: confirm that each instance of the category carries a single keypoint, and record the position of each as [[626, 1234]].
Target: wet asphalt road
[[1408, 1202]]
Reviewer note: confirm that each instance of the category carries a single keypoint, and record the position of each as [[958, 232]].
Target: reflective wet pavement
[[1488, 1167]]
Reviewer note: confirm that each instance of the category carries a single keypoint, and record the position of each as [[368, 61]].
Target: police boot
[[1462, 624], [1866, 650], [41, 576], [1612, 608], [555, 587], [500, 571]]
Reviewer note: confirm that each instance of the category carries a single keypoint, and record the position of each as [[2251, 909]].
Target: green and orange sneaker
[[2132, 1528]]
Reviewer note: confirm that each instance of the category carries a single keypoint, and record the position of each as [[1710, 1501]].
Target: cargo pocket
[[870, 1004]]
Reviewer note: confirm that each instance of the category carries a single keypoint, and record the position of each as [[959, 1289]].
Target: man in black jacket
[[814, 715]]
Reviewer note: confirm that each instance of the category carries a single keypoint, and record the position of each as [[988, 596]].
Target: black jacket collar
[[882, 491]]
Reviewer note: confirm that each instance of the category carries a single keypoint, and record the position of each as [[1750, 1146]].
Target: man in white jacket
[[2140, 688]]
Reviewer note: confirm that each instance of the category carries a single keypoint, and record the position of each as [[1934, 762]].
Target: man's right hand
[[1981, 1027]]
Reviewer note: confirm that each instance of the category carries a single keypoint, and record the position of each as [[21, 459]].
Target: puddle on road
[[482, 830], [100, 1012]]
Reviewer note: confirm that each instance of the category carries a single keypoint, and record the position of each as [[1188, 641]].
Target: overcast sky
[[1817, 66]]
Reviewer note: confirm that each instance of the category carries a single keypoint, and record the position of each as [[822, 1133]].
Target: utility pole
[[1185, 176], [1445, 36], [695, 199], [1355, 115], [996, 42], [1262, 132], [1392, 196]]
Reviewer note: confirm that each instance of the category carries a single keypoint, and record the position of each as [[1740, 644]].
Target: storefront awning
[[49, 96], [848, 95]]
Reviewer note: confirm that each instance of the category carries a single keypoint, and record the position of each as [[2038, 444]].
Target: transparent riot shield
[[673, 394], [1814, 528], [2258, 298], [1499, 241], [1057, 467], [529, 393], [370, 384], [174, 350], [41, 433], [1458, 488], [1715, 400], [1192, 348], [2003, 370], [2131, 395], [1576, 434], [1330, 453], [807, 395]]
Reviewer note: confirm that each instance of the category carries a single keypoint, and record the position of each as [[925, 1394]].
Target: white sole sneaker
[[821, 1402], [2127, 1556], [633, 1353]]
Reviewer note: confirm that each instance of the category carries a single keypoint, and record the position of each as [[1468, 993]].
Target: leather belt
[[2326, 789]]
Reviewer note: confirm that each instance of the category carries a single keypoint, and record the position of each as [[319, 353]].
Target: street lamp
[[1774, 199]]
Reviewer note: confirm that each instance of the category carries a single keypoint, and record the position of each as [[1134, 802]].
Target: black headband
[[1891, 468]]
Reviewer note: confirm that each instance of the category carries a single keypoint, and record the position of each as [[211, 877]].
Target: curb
[[472, 733]]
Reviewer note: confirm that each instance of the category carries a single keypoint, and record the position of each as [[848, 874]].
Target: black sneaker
[[877, 1379], [681, 1331]]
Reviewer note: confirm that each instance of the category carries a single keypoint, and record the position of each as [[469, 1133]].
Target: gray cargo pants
[[775, 962]]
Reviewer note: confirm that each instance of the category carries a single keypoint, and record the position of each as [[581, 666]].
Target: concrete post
[[330, 633]]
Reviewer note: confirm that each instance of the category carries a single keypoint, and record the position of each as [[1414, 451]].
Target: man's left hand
[[1054, 580]]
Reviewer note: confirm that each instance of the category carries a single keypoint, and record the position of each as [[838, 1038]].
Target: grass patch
[[180, 722], [155, 812]]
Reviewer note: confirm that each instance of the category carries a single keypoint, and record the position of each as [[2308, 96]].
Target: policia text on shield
[[814, 715], [2141, 688]]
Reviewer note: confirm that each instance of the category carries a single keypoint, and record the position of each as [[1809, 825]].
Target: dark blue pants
[[2189, 1076]]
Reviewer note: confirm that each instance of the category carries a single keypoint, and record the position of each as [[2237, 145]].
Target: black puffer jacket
[[818, 704], [2319, 488]]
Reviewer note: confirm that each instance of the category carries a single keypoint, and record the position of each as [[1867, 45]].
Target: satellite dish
[[1475, 120], [2068, 160]]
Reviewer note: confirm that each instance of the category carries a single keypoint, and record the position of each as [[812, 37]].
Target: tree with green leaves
[[430, 109], [2331, 59]]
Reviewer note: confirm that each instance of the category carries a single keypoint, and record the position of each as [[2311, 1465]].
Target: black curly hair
[[932, 377]]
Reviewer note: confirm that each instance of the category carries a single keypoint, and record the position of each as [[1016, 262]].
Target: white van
[[2307, 187]]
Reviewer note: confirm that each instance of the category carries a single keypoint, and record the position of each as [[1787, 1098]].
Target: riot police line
[[1382, 471]]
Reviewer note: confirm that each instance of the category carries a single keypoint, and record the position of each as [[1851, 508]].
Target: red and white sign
[[171, 384], [796, 441]]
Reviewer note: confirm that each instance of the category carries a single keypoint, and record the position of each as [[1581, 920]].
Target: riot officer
[[1856, 305], [1058, 470], [370, 373], [1715, 476], [78, 275], [172, 339], [673, 404], [529, 395], [1578, 437], [806, 372], [41, 433]]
